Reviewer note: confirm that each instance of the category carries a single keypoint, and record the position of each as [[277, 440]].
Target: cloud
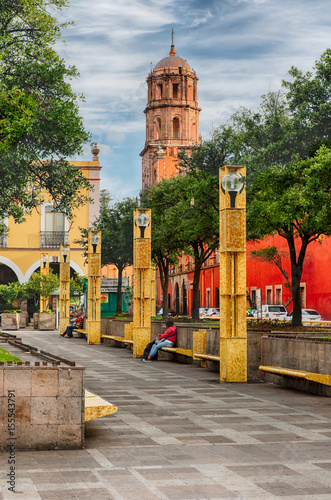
[[239, 48]]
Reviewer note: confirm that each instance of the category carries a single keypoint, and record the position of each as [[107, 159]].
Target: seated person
[[76, 322], [167, 339]]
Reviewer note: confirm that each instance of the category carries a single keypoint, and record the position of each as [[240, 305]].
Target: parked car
[[213, 312], [171, 312], [307, 314], [276, 311], [202, 312]]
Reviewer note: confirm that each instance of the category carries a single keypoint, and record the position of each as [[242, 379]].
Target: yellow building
[[44, 231]]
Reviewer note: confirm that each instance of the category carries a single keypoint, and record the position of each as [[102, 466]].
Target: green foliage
[[295, 202], [185, 221], [39, 115], [42, 284], [116, 225], [13, 292], [5, 356]]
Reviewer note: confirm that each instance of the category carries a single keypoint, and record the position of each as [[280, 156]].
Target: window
[[54, 228], [158, 128], [175, 124], [175, 90], [208, 298], [159, 89], [268, 293], [217, 297], [278, 294]]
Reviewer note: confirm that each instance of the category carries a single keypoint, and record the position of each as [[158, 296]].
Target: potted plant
[[45, 285]]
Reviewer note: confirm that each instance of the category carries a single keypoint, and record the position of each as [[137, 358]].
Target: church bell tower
[[172, 118]]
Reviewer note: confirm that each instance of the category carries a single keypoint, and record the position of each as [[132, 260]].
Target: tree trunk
[[296, 271], [119, 291], [163, 266]]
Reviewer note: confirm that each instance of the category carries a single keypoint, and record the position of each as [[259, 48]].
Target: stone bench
[[320, 378], [96, 407]]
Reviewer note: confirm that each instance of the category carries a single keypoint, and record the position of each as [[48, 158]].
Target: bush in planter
[[42, 284], [12, 292]]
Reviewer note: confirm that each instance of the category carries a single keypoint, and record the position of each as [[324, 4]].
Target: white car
[[213, 312], [276, 311], [202, 312], [308, 315]]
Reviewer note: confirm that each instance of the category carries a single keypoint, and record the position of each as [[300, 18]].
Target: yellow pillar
[[64, 299], [93, 322], [233, 326], [153, 290], [44, 271], [142, 278]]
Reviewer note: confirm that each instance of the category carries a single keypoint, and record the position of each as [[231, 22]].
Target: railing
[[53, 239], [3, 241]]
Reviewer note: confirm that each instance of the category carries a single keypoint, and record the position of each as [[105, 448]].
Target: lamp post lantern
[[64, 299], [94, 288], [142, 280], [233, 327], [44, 271]]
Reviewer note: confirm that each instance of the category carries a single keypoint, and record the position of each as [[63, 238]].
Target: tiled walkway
[[180, 434]]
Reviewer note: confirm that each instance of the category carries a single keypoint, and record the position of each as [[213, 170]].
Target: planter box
[[47, 406], [35, 320], [9, 321], [46, 321], [23, 319]]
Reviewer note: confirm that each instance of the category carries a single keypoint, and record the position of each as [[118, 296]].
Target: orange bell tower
[[172, 118]]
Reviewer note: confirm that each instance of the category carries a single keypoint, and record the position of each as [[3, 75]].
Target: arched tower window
[[175, 90], [159, 90], [193, 131], [158, 124], [175, 128]]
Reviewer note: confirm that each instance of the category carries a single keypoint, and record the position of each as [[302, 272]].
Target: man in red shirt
[[166, 339]]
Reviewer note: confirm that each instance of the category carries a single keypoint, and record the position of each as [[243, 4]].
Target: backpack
[[148, 350]]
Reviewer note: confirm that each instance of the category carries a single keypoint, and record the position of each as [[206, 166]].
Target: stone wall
[[41, 407], [311, 355]]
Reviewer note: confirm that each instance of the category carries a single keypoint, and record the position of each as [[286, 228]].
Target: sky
[[240, 50]]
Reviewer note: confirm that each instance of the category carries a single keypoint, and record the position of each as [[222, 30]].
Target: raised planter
[[23, 319], [46, 321], [9, 321]]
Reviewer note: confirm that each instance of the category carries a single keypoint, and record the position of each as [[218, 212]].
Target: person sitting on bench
[[76, 322], [166, 339]]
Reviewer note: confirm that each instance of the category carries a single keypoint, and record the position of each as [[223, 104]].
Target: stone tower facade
[[172, 118]]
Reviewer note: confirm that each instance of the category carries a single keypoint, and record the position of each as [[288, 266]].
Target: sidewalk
[[180, 434]]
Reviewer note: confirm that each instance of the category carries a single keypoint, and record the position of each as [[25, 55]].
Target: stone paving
[[180, 434]]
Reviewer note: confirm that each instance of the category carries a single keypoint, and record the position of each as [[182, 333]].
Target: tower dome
[[172, 61], [172, 117]]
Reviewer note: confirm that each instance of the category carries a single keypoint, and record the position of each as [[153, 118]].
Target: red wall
[[316, 274]]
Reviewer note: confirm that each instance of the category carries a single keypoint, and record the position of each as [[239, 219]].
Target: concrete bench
[[200, 348], [117, 339], [320, 378], [96, 407], [178, 350]]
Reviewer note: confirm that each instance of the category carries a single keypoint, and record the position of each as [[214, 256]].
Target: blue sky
[[240, 50]]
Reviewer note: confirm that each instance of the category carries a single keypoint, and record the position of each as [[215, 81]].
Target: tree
[[166, 242], [76, 287], [13, 292], [192, 218], [42, 284], [39, 115], [295, 202], [272, 255], [116, 225]]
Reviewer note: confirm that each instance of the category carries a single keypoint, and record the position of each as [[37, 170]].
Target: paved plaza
[[180, 434]]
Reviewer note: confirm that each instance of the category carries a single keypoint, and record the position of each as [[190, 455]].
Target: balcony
[[53, 239]]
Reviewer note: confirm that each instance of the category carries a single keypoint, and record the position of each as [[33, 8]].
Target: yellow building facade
[[45, 230]]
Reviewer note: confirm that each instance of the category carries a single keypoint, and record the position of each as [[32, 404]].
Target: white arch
[[14, 267], [35, 266]]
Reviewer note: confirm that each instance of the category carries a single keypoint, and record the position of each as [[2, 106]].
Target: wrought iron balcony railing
[[53, 239]]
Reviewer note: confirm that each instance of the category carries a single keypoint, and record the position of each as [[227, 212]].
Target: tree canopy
[[39, 116], [295, 202]]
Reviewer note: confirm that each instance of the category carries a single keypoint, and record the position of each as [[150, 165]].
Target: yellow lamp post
[[94, 288], [64, 299], [142, 280], [44, 271], [233, 326]]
